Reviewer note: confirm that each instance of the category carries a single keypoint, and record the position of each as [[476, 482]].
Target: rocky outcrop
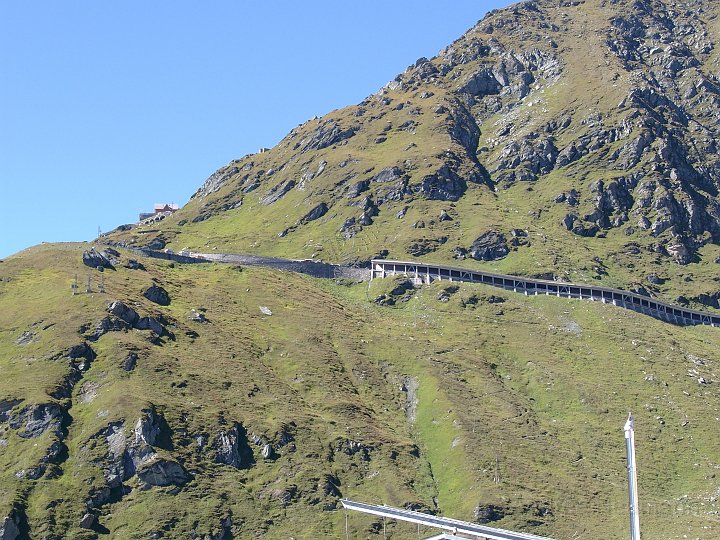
[[93, 259], [158, 295], [489, 246], [278, 192], [123, 312], [316, 213], [10, 525], [34, 420], [232, 448], [162, 472], [327, 134]]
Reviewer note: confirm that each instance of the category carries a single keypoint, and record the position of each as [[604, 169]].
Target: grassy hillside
[[453, 405]]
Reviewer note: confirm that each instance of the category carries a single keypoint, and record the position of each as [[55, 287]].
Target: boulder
[[357, 188], [83, 350], [232, 448], [568, 221], [278, 192], [108, 324], [444, 216], [444, 185], [6, 407], [489, 513], [157, 295], [132, 264], [268, 452], [387, 175], [9, 529], [88, 521], [316, 213], [93, 259], [162, 472], [123, 312], [489, 246], [130, 362]]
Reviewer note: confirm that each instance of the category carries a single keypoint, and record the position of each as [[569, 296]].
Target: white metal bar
[[454, 525]]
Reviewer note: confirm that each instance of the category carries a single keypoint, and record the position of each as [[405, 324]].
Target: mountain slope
[[573, 140], [500, 408], [589, 126]]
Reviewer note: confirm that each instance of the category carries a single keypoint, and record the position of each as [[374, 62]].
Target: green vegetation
[[518, 404]]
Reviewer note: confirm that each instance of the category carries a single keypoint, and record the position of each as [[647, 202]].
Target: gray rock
[[132, 264], [232, 448], [6, 407], [444, 216], [130, 362], [489, 513], [655, 279], [316, 213], [108, 324], [158, 295], [93, 259], [162, 472], [34, 420], [481, 83], [390, 174], [150, 323], [444, 185], [55, 453], [278, 192], [26, 338], [88, 521], [327, 134], [123, 312], [9, 529], [489, 246], [33, 473], [156, 244], [568, 221], [83, 350], [357, 188], [268, 452]]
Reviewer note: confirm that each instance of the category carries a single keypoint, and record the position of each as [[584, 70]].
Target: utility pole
[[632, 478]]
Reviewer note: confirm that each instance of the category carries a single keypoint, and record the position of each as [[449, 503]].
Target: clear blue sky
[[109, 107]]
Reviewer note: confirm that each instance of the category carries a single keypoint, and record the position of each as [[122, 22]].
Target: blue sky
[[109, 107]]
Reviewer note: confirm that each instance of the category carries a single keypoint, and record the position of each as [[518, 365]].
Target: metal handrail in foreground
[[453, 525]]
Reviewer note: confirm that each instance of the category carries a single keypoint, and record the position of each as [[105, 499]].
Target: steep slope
[[587, 128], [483, 406]]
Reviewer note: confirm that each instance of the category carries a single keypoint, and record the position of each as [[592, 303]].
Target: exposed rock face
[[130, 361], [278, 192], [232, 447], [162, 472], [94, 259], [489, 246], [158, 295], [34, 420], [316, 213], [9, 529], [123, 312]]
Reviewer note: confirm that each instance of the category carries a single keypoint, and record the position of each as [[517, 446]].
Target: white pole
[[632, 478]]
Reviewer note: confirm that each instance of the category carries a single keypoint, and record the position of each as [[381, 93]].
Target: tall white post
[[632, 478]]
